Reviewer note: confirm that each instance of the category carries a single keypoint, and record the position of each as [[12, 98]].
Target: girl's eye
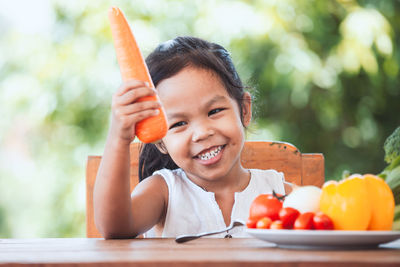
[[178, 124], [214, 111]]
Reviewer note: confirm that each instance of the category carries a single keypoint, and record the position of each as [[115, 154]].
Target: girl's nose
[[202, 132]]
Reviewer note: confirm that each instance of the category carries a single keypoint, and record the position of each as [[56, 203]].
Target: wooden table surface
[[201, 252]]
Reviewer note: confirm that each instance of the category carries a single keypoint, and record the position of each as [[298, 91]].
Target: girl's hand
[[127, 111]]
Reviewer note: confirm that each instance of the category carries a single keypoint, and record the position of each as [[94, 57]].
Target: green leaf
[[393, 178], [395, 163], [396, 213]]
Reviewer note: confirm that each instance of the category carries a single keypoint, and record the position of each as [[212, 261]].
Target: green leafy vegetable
[[392, 146], [391, 174]]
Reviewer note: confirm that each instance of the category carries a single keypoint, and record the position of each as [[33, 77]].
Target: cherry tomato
[[276, 225], [304, 221], [288, 216], [265, 205], [264, 223], [251, 223], [322, 221]]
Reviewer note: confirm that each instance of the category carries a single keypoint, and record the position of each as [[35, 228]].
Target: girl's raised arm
[[111, 195], [115, 216]]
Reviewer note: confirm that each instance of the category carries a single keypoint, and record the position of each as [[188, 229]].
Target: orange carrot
[[133, 66]]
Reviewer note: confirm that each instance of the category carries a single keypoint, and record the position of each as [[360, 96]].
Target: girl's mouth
[[211, 156]]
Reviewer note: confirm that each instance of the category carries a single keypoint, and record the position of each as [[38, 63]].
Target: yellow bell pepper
[[381, 202], [358, 203], [346, 203]]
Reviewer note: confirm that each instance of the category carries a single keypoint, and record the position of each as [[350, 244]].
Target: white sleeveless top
[[192, 210]]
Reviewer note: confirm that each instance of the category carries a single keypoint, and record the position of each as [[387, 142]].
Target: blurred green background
[[325, 74]]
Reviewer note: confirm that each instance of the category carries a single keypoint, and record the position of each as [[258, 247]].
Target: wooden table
[[165, 252]]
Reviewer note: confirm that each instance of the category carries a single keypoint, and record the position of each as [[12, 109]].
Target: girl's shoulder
[[152, 183], [178, 182], [170, 176], [166, 176]]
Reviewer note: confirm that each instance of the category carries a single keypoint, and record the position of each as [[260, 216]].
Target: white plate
[[324, 239]]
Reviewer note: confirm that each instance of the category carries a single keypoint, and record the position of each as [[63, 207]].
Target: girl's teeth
[[211, 154]]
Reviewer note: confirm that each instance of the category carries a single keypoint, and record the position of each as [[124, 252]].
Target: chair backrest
[[298, 168]]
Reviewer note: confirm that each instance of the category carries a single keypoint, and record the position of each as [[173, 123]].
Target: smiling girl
[[193, 180]]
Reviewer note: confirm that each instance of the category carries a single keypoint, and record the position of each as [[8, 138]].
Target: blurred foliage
[[328, 79], [325, 73]]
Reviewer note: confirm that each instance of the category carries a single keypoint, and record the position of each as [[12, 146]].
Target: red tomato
[[322, 221], [288, 215], [304, 221], [265, 205], [263, 223], [251, 223], [276, 225]]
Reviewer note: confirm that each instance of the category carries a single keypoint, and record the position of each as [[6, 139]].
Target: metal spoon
[[185, 238]]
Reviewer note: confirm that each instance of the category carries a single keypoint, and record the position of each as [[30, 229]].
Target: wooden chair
[[298, 168]]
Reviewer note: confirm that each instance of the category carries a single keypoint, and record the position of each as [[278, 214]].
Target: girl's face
[[206, 134]]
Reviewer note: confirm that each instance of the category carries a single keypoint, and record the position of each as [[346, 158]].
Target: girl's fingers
[[129, 85], [139, 107], [138, 116], [133, 95], [127, 116]]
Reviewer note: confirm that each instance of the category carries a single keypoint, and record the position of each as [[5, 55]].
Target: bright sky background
[[28, 16]]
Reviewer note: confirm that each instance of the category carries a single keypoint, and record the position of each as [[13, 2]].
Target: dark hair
[[171, 57]]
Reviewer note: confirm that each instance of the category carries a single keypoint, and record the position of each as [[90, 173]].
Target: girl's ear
[[161, 147], [246, 109]]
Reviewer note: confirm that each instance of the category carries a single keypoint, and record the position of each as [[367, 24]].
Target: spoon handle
[[185, 238]]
